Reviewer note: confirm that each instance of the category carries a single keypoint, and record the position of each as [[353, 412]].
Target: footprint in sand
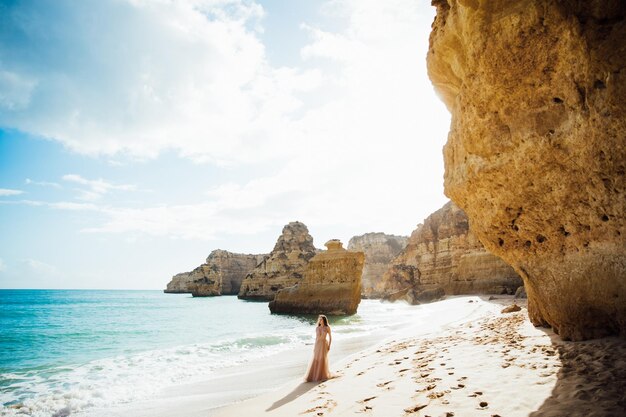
[[415, 409], [435, 395], [483, 404], [382, 384]]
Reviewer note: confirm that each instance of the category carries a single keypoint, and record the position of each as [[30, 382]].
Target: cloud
[[39, 268], [190, 76], [28, 181], [3, 266], [96, 188], [59, 205], [354, 131], [5, 192]]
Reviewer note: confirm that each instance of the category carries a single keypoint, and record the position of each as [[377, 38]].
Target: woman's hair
[[324, 319]]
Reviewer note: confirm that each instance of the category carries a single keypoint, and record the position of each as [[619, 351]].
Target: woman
[[318, 369]]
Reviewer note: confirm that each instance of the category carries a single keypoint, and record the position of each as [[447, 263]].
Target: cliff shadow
[[295, 393], [591, 381]]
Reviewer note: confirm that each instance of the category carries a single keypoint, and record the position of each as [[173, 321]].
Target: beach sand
[[477, 361], [464, 358]]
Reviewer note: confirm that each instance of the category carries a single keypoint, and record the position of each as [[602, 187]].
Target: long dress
[[318, 369]]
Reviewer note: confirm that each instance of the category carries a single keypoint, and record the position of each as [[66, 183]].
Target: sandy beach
[[471, 360], [465, 358]]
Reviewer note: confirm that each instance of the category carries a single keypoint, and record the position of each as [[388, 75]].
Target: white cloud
[[59, 205], [68, 205], [96, 188], [355, 132], [28, 181], [3, 266], [190, 76], [39, 268], [5, 192]]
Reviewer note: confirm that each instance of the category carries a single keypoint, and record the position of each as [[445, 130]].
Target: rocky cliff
[[380, 249], [536, 154], [221, 274], [331, 284], [444, 257], [283, 267]]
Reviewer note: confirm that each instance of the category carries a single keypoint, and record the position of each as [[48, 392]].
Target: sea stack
[[536, 154], [379, 249], [444, 257], [283, 267], [221, 274], [331, 284]]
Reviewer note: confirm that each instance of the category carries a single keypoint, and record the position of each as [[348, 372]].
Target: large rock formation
[[331, 284], [221, 274], [536, 154], [283, 267], [380, 249], [444, 257]]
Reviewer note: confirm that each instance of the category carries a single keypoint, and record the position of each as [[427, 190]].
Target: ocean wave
[[67, 390], [155, 350]]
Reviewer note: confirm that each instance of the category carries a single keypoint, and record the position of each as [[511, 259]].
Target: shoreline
[[240, 382], [465, 357], [269, 375], [488, 364]]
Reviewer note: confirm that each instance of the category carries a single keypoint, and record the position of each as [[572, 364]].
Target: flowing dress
[[318, 369]]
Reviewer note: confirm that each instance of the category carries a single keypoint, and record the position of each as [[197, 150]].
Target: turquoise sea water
[[62, 351]]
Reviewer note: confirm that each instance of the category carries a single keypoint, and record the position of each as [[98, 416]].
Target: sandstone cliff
[[331, 284], [536, 154], [283, 267], [380, 249], [444, 257], [221, 274]]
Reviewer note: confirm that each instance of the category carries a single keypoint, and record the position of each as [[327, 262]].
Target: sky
[[136, 136]]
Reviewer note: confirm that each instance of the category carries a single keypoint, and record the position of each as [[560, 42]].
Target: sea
[[63, 352]]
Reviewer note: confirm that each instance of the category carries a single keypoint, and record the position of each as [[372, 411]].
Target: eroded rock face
[[331, 284], [444, 257], [536, 154], [380, 249], [283, 267], [221, 274], [179, 284]]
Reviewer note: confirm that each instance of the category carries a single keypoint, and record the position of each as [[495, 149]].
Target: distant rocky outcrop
[[221, 274], [179, 284], [444, 257], [284, 267], [536, 154], [380, 249], [331, 284]]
